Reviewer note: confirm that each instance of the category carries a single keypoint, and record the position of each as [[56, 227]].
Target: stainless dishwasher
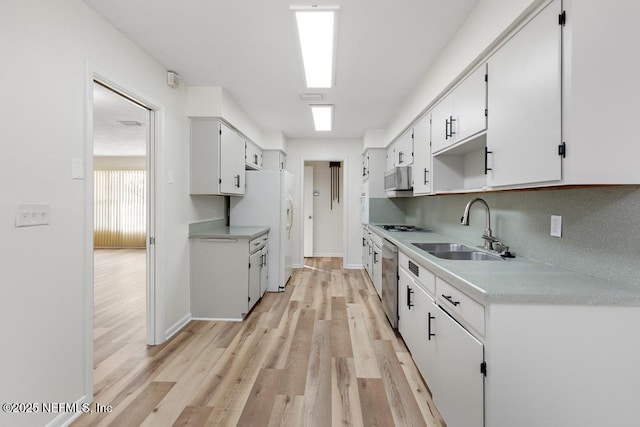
[[389, 295]]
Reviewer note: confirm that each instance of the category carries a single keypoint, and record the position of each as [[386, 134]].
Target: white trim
[[297, 266], [176, 327], [66, 418], [354, 267], [155, 294], [217, 319], [328, 254]]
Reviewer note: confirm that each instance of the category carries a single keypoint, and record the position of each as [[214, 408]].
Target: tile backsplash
[[600, 225]]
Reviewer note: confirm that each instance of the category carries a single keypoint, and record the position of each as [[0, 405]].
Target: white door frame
[[345, 205], [155, 284], [307, 198]]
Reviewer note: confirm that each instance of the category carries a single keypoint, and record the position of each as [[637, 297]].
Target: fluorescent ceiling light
[[316, 28], [322, 117]]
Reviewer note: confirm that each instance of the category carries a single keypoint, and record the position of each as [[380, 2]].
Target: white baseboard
[[354, 267], [217, 319], [328, 254], [176, 327], [65, 419]]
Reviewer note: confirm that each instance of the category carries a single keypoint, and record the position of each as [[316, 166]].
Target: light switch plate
[[556, 225], [30, 214]]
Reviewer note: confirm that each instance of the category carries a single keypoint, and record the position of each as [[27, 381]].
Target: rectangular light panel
[[322, 117], [316, 31]]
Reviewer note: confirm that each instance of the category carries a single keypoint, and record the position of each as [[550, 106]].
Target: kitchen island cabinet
[[226, 272]]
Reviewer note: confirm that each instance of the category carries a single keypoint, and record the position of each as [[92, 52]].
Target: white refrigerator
[[267, 202]]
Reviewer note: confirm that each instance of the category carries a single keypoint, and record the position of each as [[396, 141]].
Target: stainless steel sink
[[443, 247], [456, 251], [467, 256]]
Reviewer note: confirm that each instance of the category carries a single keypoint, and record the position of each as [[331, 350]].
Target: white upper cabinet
[[524, 129], [391, 156], [462, 113], [404, 149], [600, 94], [252, 155], [421, 171], [231, 161], [217, 158]]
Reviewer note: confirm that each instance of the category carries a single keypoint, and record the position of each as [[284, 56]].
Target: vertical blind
[[120, 208]]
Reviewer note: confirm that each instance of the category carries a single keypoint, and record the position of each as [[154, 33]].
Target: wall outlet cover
[[556, 225]]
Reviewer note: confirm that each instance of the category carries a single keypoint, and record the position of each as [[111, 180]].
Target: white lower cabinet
[[459, 395], [416, 310], [447, 355], [255, 274], [226, 276], [377, 268], [264, 270]]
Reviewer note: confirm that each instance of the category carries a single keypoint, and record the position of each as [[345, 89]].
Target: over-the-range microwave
[[398, 179]]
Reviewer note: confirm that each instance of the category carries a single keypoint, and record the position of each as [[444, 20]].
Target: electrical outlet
[[30, 214], [556, 225]]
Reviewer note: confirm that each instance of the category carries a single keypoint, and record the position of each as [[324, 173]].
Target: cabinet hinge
[[249, 299], [220, 181], [486, 77], [152, 240], [486, 112], [562, 18], [220, 131], [249, 265], [483, 368], [562, 150]]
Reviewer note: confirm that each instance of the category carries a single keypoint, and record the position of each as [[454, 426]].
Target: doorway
[[122, 192], [323, 204]]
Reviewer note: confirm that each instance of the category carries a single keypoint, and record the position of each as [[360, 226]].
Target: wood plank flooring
[[319, 354]]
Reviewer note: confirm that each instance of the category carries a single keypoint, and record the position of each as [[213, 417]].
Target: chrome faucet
[[489, 240]]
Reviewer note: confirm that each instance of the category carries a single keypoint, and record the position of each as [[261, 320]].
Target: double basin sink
[[456, 251]]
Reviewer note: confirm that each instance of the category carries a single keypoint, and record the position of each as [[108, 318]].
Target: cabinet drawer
[[456, 302], [258, 242], [419, 273]]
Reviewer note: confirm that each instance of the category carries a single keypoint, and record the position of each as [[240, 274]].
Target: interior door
[[308, 211]]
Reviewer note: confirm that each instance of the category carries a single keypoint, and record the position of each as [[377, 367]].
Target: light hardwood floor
[[321, 353]]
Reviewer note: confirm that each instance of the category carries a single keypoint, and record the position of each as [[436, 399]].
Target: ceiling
[[110, 136], [250, 48]]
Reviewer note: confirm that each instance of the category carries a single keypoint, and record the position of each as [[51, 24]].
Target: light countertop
[[514, 281], [213, 229]]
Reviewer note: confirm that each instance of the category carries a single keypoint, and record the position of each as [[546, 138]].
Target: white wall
[[488, 22], [350, 152], [47, 48], [327, 216], [215, 101]]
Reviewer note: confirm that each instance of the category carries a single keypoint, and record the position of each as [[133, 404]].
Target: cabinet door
[[255, 267], [404, 149], [377, 269], [264, 270], [231, 161], [417, 325], [470, 105], [421, 171], [524, 104], [253, 155], [459, 393], [440, 119], [391, 155]]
